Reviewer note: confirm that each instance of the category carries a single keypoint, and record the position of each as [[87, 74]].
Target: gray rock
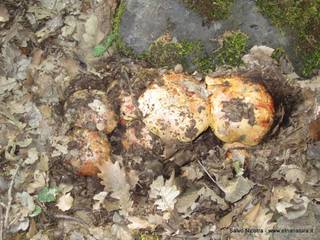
[[144, 21]]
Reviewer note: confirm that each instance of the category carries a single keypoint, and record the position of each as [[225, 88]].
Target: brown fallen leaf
[[165, 192], [314, 129], [259, 217], [114, 179], [227, 220]]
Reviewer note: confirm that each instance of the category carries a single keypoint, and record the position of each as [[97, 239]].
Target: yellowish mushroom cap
[[240, 110]]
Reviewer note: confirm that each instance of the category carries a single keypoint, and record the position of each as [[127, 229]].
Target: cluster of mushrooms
[[176, 107]]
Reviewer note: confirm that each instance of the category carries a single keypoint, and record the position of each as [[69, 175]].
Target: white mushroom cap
[[176, 110]]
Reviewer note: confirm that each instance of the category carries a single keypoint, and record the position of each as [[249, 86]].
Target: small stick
[[70, 218], [211, 178], [1, 222], [206, 171], [10, 194]]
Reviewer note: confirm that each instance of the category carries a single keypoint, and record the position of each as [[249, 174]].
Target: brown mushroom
[[91, 109]]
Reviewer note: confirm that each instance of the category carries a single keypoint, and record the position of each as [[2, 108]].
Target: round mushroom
[[240, 110], [91, 109], [88, 150], [176, 108]]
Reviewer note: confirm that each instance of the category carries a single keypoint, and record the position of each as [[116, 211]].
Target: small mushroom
[[91, 109], [175, 109], [240, 110], [88, 150]]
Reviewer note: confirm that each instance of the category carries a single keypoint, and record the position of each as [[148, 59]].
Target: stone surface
[[144, 21]]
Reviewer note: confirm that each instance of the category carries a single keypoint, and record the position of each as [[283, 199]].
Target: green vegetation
[[167, 52], [302, 19], [278, 53], [234, 46], [170, 53], [211, 9], [114, 36]]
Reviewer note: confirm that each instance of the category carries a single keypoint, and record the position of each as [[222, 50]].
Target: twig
[[211, 178], [1, 222], [8, 207], [206, 171], [70, 218]]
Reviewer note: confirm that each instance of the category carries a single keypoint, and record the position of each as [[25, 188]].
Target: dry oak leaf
[[291, 173], [288, 202], [165, 192], [259, 217], [114, 179]]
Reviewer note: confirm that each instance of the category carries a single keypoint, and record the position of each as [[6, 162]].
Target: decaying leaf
[[101, 233], [99, 198], [286, 201], [65, 202], [4, 14], [60, 144], [237, 188], [114, 179], [291, 173], [187, 201], [40, 180], [165, 192], [139, 223], [208, 193], [33, 156], [121, 232], [259, 217], [7, 84], [27, 203], [192, 172], [227, 219]]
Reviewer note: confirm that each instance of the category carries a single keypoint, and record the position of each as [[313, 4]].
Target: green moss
[[205, 64], [114, 37], [211, 9], [234, 46], [301, 19], [278, 53], [312, 62], [170, 53], [118, 15]]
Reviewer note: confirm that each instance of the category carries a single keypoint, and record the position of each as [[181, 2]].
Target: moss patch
[[114, 37], [166, 52], [234, 46], [302, 19], [210, 9]]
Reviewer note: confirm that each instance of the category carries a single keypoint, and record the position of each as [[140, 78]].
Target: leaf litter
[[139, 192]]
